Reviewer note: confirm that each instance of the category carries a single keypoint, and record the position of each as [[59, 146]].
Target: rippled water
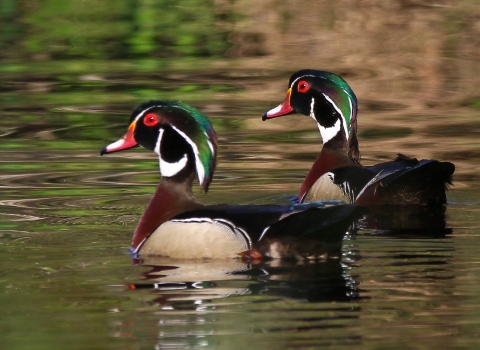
[[71, 72]]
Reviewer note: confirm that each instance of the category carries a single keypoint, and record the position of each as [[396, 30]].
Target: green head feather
[[205, 140]]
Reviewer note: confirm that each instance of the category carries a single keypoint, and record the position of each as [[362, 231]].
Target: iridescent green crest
[[205, 140], [344, 98]]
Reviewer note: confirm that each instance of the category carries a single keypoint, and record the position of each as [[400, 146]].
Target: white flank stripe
[[237, 231], [375, 178], [194, 220], [140, 245], [264, 231]]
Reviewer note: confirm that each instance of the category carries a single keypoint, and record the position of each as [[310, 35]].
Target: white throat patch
[[344, 122], [168, 169], [198, 162], [329, 133]]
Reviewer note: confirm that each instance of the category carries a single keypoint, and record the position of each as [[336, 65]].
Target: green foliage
[[92, 29]]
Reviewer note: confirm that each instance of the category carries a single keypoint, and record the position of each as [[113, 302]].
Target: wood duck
[[337, 173], [175, 225]]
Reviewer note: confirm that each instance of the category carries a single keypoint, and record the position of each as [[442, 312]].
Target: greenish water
[[70, 74]]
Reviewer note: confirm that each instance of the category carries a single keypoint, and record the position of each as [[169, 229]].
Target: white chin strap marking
[[327, 133], [169, 169], [198, 163], [344, 122]]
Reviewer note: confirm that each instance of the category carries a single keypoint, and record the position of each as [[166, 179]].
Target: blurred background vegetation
[[73, 70]]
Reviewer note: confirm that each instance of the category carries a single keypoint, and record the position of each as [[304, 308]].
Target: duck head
[[181, 136], [327, 99]]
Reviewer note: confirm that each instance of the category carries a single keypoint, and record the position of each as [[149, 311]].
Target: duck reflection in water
[[186, 304], [186, 284], [409, 221]]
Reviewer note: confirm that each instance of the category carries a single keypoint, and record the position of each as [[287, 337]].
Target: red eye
[[151, 119], [303, 86]]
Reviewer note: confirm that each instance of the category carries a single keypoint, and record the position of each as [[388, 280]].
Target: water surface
[[71, 72]]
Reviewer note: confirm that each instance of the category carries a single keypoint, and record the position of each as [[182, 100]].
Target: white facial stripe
[[312, 112], [198, 163], [329, 133], [169, 169], [344, 122], [351, 114], [307, 75], [145, 111], [210, 145], [159, 140]]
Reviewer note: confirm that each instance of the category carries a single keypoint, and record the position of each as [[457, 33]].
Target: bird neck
[[172, 197], [334, 131], [334, 155]]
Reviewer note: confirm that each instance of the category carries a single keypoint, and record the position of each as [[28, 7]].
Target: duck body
[[230, 231], [175, 225], [337, 172]]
